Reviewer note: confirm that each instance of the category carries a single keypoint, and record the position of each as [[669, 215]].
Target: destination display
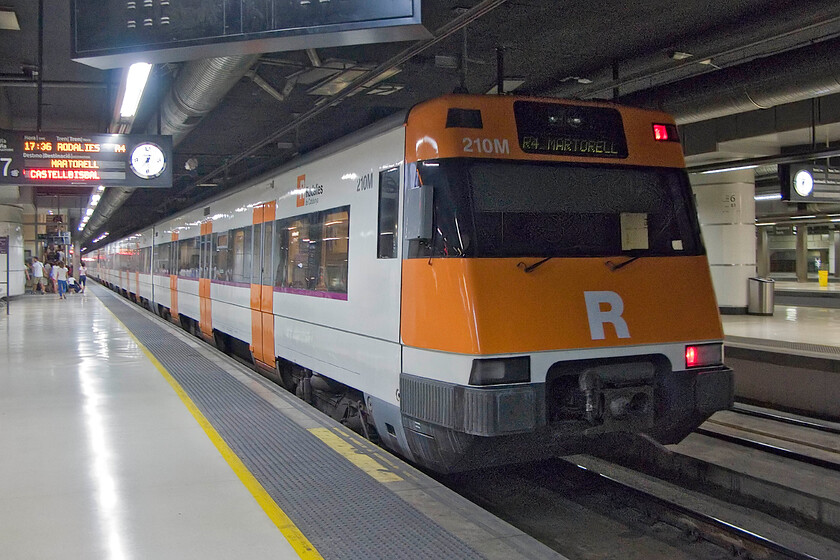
[[808, 182], [110, 34], [72, 159], [566, 130]]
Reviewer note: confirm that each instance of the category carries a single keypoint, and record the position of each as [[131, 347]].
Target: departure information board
[[73, 159], [112, 34]]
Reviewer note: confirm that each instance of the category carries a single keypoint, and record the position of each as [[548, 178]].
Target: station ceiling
[[744, 78]]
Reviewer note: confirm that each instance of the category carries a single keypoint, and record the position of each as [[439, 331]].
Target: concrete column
[[77, 261], [11, 225], [835, 242], [726, 209], [801, 253], [763, 253]]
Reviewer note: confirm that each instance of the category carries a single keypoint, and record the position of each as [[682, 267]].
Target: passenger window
[[256, 261], [389, 192], [188, 261], [221, 257], [312, 253], [162, 259], [242, 251]]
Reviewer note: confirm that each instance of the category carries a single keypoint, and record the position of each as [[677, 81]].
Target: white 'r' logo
[[612, 314]]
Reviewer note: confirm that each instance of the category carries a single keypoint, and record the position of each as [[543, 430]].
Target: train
[[476, 281]]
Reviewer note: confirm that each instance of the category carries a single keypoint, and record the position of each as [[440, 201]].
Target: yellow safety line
[[365, 462], [287, 527]]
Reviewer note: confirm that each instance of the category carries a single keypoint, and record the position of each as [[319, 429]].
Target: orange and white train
[[479, 280]]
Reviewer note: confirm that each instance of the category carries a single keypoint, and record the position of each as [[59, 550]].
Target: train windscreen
[[492, 208]]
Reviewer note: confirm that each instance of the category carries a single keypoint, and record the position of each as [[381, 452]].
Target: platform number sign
[[4, 245]]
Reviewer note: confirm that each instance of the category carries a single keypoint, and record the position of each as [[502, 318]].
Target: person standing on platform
[[47, 277], [61, 279], [38, 276], [82, 276]]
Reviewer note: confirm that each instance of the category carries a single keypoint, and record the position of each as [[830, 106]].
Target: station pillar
[[801, 253], [835, 239], [726, 209], [11, 226], [763, 252], [77, 258]]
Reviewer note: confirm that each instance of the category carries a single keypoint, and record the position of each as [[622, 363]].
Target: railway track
[[651, 486], [767, 414], [769, 440], [736, 540], [566, 503], [776, 450]]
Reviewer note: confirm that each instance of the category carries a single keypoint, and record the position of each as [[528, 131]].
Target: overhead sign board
[[810, 182], [115, 34], [73, 159]]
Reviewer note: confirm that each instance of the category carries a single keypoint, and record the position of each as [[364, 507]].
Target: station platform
[[789, 360], [808, 294], [123, 437]]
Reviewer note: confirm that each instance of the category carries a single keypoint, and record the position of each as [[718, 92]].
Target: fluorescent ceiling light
[[100, 188], [801, 217], [89, 211], [776, 196], [728, 169], [135, 82], [8, 20], [766, 224]]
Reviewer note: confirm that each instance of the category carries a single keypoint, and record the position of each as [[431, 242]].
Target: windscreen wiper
[[534, 266], [613, 266]]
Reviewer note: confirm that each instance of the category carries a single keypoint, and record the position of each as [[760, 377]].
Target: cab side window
[[389, 193]]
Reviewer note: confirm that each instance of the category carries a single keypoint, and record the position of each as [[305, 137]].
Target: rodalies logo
[[307, 195]]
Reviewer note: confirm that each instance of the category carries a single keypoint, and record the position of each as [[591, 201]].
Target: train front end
[[555, 285]]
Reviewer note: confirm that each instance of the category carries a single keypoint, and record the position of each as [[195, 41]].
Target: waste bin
[[760, 296], [822, 275]]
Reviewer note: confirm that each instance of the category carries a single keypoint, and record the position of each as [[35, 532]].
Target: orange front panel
[[427, 136], [491, 306], [173, 295], [205, 320]]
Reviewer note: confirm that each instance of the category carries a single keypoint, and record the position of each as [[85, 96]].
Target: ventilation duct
[[806, 73], [199, 88]]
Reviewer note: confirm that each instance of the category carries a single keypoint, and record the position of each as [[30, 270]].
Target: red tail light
[[665, 133], [660, 132], [690, 356], [703, 355]]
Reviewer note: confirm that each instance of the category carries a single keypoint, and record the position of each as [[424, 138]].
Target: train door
[[174, 267], [205, 267], [262, 285]]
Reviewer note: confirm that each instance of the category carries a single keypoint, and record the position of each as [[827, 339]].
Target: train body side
[[400, 338]]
